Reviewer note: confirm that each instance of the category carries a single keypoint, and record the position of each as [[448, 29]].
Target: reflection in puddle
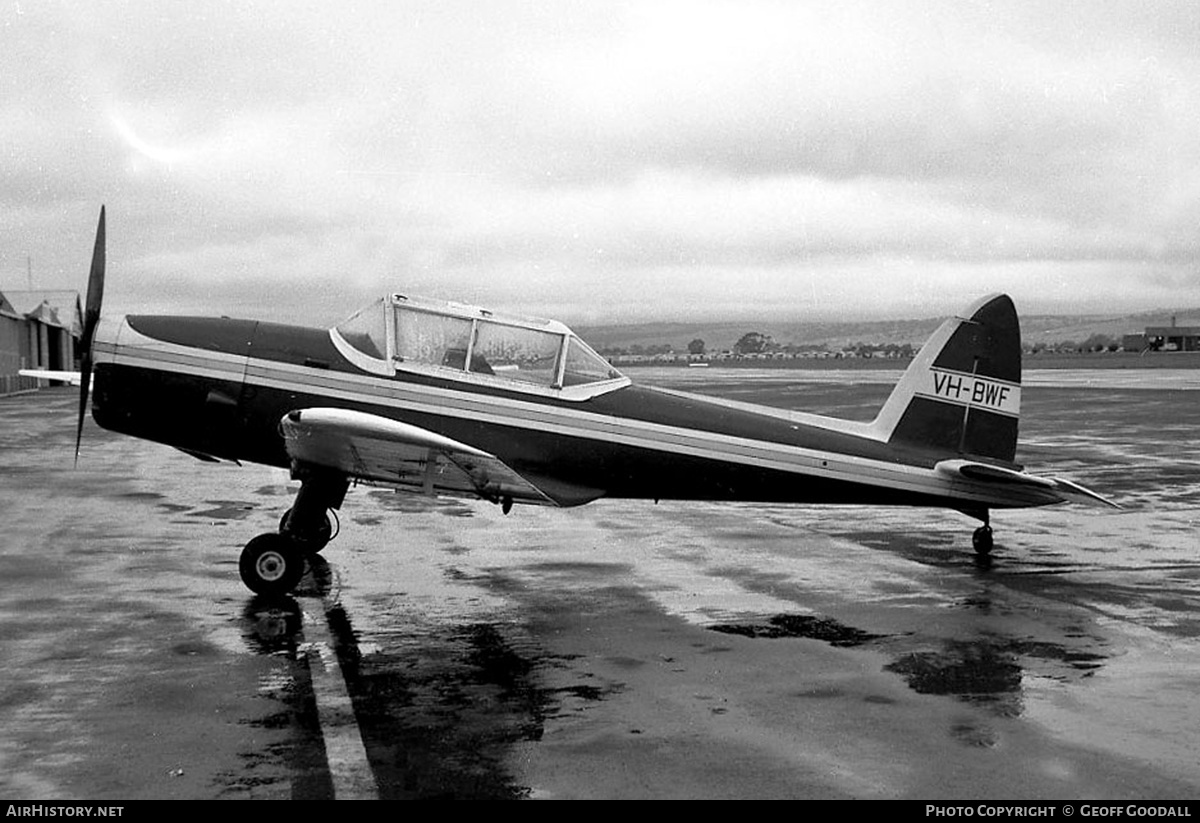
[[990, 671], [225, 510], [987, 671], [439, 715], [974, 672], [801, 625], [404, 501], [271, 625]]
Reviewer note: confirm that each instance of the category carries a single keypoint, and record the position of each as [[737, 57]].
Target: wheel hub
[[271, 566]]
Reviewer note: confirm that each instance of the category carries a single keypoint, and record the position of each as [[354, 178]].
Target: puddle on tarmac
[[801, 625], [991, 671], [409, 502], [225, 510]]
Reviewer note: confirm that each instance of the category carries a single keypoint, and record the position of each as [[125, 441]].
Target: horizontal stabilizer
[[1070, 490], [996, 474], [985, 472]]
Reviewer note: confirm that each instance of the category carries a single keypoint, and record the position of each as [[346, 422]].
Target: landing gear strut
[[273, 563], [311, 541]]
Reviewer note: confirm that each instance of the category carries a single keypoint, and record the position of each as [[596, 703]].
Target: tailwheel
[[313, 539], [271, 565], [982, 540]]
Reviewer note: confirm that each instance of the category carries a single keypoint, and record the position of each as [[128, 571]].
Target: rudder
[[961, 396]]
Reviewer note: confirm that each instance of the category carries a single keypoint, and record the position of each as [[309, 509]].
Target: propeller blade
[[91, 316]]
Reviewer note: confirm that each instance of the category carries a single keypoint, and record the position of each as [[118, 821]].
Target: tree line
[[758, 343]]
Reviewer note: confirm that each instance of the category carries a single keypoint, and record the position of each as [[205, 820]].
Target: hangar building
[[1164, 338], [1173, 337], [38, 330]]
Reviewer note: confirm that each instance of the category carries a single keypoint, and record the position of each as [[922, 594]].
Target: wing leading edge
[[380, 450]]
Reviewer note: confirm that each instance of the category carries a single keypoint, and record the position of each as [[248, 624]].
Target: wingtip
[[1070, 490]]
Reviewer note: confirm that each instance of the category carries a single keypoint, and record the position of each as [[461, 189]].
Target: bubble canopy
[[402, 334]]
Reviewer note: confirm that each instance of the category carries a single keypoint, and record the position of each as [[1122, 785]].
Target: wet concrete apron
[[617, 650]]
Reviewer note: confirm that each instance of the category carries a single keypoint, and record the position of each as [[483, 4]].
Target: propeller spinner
[[91, 316]]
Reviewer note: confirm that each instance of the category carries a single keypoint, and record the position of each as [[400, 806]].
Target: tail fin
[[962, 394]]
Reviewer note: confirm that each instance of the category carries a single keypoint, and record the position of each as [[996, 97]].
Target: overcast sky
[[605, 161]]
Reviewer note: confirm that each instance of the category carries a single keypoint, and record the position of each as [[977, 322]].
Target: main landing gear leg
[[273, 563], [312, 522], [982, 538]]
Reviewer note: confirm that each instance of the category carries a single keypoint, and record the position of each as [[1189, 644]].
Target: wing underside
[[381, 451]]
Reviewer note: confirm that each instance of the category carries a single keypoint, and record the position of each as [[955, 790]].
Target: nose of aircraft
[[106, 335], [103, 351]]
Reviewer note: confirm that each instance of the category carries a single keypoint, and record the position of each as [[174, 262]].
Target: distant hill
[[719, 335], [1060, 328]]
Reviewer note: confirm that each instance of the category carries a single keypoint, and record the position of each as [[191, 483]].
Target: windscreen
[[585, 366], [366, 330]]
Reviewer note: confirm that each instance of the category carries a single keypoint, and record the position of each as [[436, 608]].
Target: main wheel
[[271, 565], [982, 540], [311, 542]]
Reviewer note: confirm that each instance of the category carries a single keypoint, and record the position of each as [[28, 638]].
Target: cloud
[[592, 157]]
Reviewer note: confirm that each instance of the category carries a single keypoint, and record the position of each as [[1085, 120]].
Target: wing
[[72, 377], [383, 451], [1063, 488]]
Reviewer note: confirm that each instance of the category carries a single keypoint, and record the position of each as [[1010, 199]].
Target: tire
[[271, 565], [982, 541]]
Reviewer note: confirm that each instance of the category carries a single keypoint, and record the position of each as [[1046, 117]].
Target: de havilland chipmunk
[[443, 398]]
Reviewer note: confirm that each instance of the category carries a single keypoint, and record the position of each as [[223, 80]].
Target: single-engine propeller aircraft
[[439, 397]]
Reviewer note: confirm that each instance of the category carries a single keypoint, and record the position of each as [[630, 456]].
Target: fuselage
[[219, 387]]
